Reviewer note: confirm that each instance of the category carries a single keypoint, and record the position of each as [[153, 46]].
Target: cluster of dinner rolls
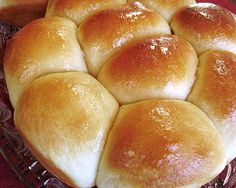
[[132, 94]]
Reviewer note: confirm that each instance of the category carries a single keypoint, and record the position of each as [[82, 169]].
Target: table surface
[[7, 177]]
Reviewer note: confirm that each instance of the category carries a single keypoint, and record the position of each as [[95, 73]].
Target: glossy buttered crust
[[207, 27], [104, 33], [161, 143], [214, 92], [43, 46], [21, 12], [157, 67], [64, 118], [166, 8], [79, 10]]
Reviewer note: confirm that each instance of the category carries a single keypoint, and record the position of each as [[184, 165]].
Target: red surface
[[7, 177], [9, 180]]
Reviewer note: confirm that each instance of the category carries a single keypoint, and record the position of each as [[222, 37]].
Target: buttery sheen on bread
[[64, 118], [215, 93], [21, 12], [105, 32], [79, 10], [166, 8], [161, 143], [43, 46], [207, 27], [161, 66]]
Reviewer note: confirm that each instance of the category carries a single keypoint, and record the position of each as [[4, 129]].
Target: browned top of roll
[[43, 46], [166, 8], [158, 59], [216, 83], [159, 143], [64, 118], [206, 26], [103, 33], [144, 69], [78, 10], [110, 21], [21, 12], [214, 92], [38, 40], [202, 18]]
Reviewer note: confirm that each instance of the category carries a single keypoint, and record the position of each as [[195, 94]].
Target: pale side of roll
[[207, 27], [64, 119], [215, 93], [79, 10], [161, 143], [161, 66], [166, 8], [105, 32], [21, 12], [43, 46]]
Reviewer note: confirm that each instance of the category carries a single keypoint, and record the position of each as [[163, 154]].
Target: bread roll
[[44, 46], [79, 10], [158, 67], [206, 26], [166, 8], [161, 143], [104, 33], [64, 119], [66, 116], [214, 92], [21, 12]]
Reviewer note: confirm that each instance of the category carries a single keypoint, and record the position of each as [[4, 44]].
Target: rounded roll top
[[214, 93], [79, 10], [166, 8], [161, 143], [104, 33], [158, 67], [64, 118], [43, 46], [206, 26]]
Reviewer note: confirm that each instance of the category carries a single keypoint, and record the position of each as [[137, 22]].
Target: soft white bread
[[21, 12], [166, 8], [79, 10], [214, 92], [43, 46], [161, 66], [105, 32], [161, 143], [64, 119], [207, 27]]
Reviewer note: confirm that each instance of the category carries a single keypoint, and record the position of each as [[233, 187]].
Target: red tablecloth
[[8, 179]]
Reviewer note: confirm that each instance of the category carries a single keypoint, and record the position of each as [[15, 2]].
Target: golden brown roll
[[206, 26], [104, 33], [79, 10], [166, 8], [64, 119], [214, 92], [21, 12], [44, 46], [161, 143], [158, 67]]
